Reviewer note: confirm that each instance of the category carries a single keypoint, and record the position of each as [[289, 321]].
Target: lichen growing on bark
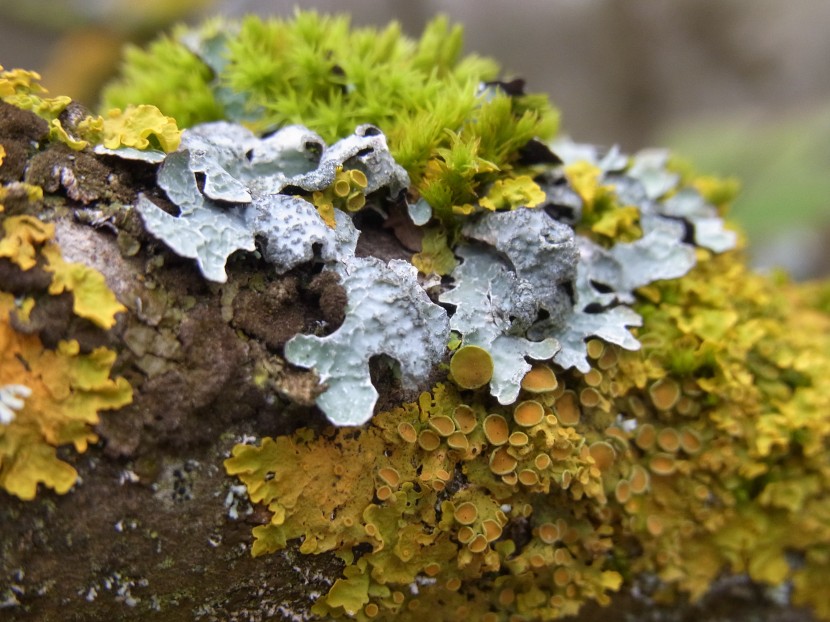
[[614, 396], [63, 389]]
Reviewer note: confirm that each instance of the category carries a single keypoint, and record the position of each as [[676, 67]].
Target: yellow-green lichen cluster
[[431, 487], [63, 388], [139, 127], [703, 452], [345, 192]]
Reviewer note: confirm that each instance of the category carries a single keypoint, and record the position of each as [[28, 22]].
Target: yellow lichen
[[394, 511], [27, 238], [139, 127], [92, 299], [23, 236], [603, 217], [346, 192], [513, 192], [68, 390], [435, 256], [540, 379], [471, 367]]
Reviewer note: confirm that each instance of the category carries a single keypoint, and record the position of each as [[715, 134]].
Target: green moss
[[452, 136], [169, 76]]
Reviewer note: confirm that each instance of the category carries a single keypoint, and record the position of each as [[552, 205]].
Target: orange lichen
[[540, 379], [442, 424], [346, 192], [502, 462], [567, 409], [390, 476], [496, 429], [664, 393], [428, 440], [465, 418], [668, 439], [528, 413], [466, 513], [66, 389], [407, 432]]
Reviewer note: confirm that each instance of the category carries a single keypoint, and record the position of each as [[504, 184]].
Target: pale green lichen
[[415, 338], [487, 299], [242, 195]]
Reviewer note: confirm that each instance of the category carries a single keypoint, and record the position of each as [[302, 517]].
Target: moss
[[453, 138], [702, 452]]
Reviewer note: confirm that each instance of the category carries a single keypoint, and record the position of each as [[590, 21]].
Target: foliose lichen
[[621, 395], [50, 397], [416, 339], [692, 455], [245, 194]]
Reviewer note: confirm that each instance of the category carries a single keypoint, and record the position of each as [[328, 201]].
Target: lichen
[[487, 299], [613, 394], [415, 339], [27, 238], [133, 131], [63, 389], [50, 397], [242, 195], [521, 509]]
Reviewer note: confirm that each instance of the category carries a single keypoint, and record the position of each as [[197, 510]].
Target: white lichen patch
[[387, 313], [12, 400], [541, 251], [209, 234]]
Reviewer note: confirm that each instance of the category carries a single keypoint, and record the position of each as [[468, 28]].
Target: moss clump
[[453, 134]]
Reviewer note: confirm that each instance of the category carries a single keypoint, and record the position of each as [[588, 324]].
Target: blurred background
[[739, 87]]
